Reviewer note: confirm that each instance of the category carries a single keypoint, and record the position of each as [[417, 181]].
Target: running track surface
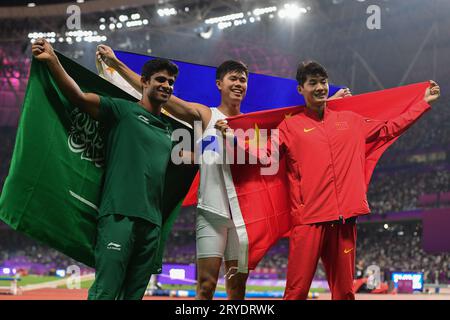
[[81, 294]]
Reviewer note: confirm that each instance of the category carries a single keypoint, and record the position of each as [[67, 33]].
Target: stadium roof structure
[[21, 3], [45, 8]]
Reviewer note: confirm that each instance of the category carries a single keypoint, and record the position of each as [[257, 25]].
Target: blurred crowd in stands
[[393, 191], [14, 68], [396, 247], [428, 133], [31, 256], [393, 247], [7, 138]]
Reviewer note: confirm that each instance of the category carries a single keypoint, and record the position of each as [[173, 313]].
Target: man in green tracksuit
[[138, 149]]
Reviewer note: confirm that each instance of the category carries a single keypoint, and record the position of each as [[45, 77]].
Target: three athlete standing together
[[324, 225]]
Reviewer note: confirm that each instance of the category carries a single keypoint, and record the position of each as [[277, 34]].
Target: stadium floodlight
[[261, 11], [291, 11], [112, 26], [102, 20], [229, 17], [102, 27], [123, 18], [31, 5], [80, 1], [60, 39], [134, 23], [135, 16], [119, 25], [239, 22], [165, 12], [69, 40], [386, 226], [145, 21], [224, 25]]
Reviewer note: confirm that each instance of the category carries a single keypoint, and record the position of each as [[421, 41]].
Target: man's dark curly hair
[[309, 68], [158, 64], [230, 66]]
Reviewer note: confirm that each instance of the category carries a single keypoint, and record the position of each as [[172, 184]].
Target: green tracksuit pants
[[124, 252]]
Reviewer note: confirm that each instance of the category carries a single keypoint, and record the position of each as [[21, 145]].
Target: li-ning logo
[[84, 138], [144, 119], [114, 246]]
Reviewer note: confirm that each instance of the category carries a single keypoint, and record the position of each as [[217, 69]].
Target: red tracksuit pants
[[335, 243]]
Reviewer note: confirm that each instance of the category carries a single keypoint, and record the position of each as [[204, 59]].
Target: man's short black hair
[[310, 68], [230, 66], [158, 64]]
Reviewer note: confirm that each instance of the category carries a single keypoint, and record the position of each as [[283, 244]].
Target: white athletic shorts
[[216, 236]]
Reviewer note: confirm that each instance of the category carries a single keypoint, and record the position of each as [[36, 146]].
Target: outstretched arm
[[106, 54], [87, 102], [188, 111], [179, 108], [387, 130]]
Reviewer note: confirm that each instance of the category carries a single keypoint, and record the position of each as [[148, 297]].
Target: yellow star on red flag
[[255, 141]]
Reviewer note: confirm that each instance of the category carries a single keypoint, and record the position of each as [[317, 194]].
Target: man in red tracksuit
[[326, 152]]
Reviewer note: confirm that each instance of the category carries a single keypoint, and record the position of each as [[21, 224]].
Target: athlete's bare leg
[[208, 273], [236, 284]]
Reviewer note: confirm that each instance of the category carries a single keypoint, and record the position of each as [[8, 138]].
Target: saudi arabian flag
[[53, 188]]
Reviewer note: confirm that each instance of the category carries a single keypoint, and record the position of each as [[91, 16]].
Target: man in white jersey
[[216, 234]]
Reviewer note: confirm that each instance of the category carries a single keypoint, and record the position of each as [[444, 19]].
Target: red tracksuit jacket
[[326, 160]]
